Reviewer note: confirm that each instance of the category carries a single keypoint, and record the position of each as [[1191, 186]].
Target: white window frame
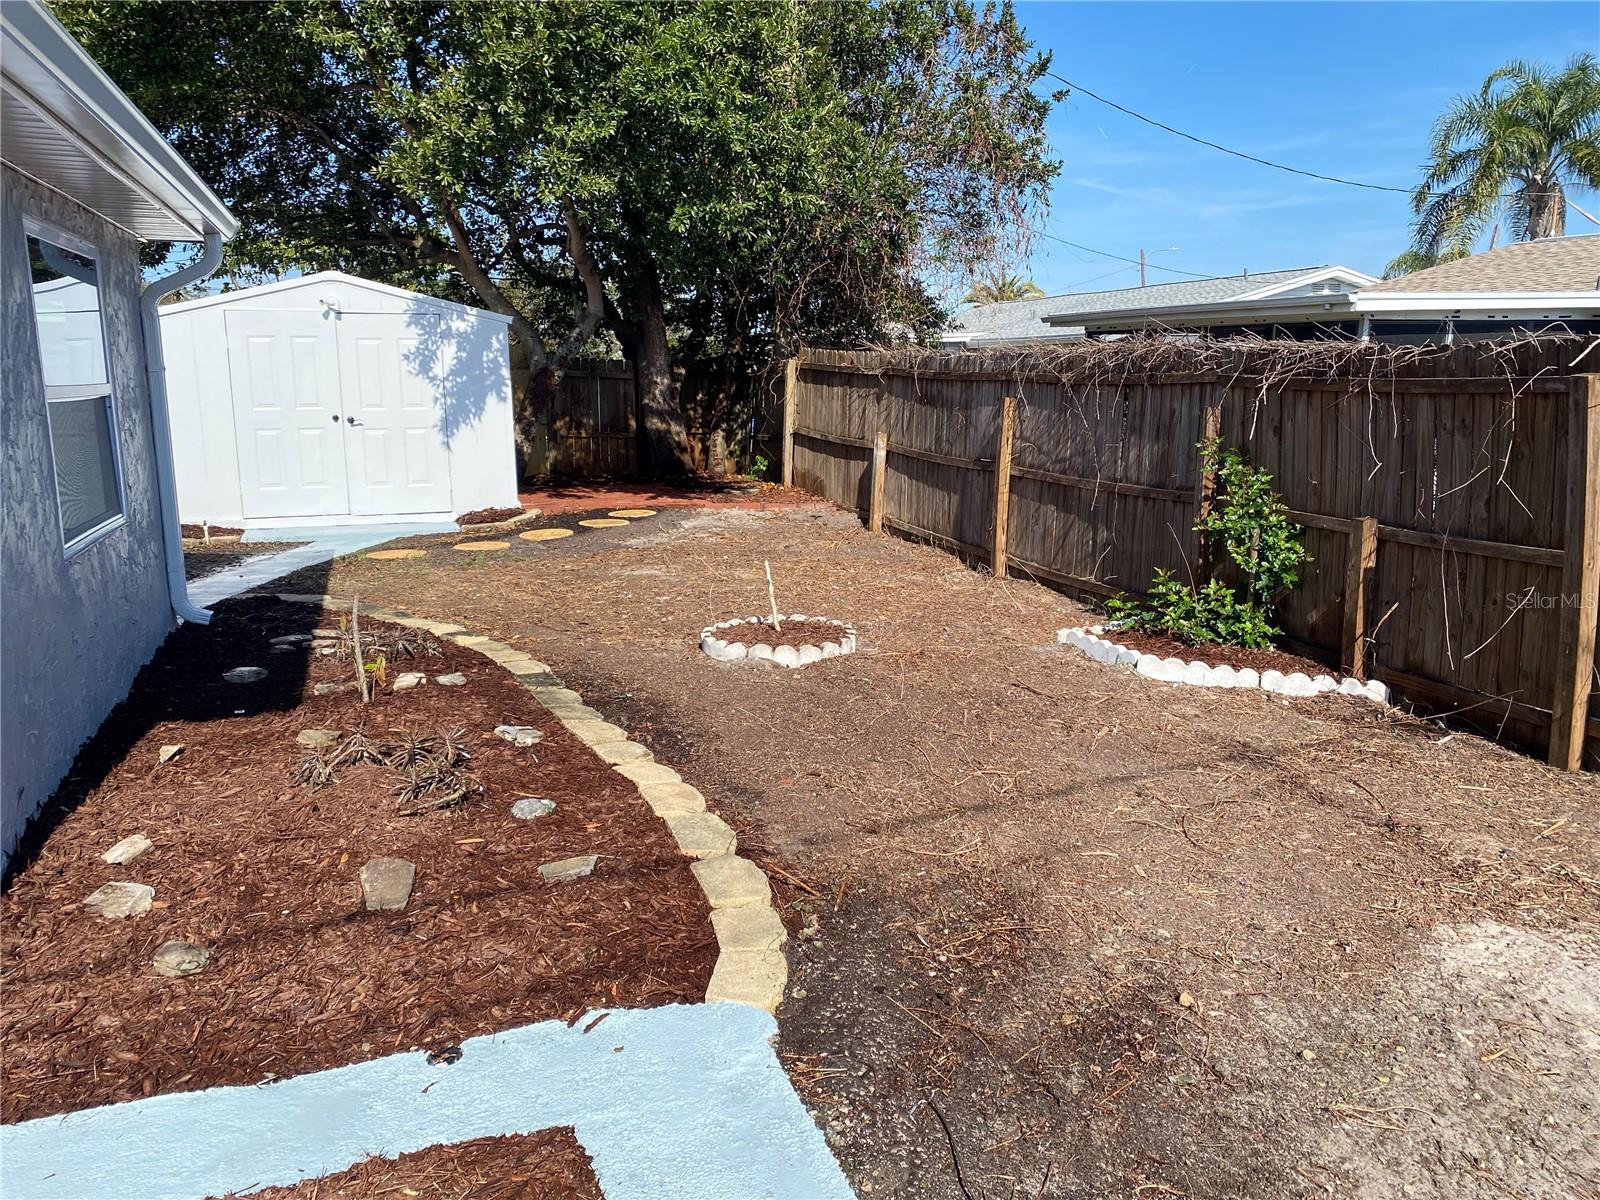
[[35, 227]]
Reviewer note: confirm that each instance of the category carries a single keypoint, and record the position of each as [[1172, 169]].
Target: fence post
[[1205, 485], [791, 385], [1580, 578], [1002, 485], [1361, 561], [880, 471]]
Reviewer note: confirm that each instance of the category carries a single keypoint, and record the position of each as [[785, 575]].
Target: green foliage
[[760, 467], [1212, 615], [1507, 153], [999, 286], [1250, 524], [1249, 521], [705, 179]]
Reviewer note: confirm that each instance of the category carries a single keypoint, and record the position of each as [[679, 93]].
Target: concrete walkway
[[322, 545], [687, 1102]]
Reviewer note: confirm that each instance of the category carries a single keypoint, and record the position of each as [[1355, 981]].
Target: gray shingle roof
[[1172, 295], [1013, 320], [1569, 264]]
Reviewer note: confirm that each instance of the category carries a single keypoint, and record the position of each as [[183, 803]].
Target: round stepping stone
[[245, 675], [602, 523], [632, 512], [390, 555], [176, 959], [545, 535], [481, 545]]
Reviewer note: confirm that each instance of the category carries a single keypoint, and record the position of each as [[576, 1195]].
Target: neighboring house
[[1523, 287], [1007, 323], [329, 399], [90, 556]]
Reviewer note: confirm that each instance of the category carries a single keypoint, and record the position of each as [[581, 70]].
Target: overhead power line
[[1122, 257], [1200, 141]]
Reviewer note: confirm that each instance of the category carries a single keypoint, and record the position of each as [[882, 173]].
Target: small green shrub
[[759, 468], [1213, 614], [1250, 524]]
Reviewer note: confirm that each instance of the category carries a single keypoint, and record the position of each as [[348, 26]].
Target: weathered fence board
[[1451, 489]]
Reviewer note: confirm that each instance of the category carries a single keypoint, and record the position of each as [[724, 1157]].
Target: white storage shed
[[330, 400]]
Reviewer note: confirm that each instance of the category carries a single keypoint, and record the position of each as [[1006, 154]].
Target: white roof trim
[[325, 277], [1288, 285], [45, 65], [1383, 302]]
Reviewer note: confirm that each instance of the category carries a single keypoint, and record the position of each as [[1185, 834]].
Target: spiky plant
[[1510, 151], [1000, 286]]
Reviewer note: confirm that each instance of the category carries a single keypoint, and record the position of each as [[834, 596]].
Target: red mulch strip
[[488, 516], [1164, 646], [789, 633], [557, 498], [252, 864], [199, 531], [548, 1165]]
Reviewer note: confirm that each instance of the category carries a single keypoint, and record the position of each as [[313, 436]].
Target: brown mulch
[[488, 516], [264, 871], [557, 497], [548, 1165], [200, 561], [788, 633], [1166, 646]]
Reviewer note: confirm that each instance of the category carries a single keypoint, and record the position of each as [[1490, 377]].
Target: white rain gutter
[[156, 374]]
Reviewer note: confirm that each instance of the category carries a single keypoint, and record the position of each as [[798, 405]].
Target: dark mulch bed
[[488, 516], [265, 872], [200, 561], [789, 633], [548, 1165], [1164, 646]]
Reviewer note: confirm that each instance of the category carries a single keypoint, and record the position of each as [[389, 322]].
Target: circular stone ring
[[722, 642]]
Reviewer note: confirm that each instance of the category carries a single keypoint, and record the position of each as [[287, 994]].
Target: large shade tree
[[721, 180], [1508, 153]]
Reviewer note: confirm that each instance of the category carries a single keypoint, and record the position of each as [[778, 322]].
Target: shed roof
[[1567, 264], [63, 122], [321, 278]]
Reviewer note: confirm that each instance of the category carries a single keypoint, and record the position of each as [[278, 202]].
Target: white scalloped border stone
[[731, 649], [1091, 640]]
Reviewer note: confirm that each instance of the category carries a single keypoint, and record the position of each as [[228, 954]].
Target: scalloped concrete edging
[[751, 967], [728, 650], [1089, 639], [527, 514]]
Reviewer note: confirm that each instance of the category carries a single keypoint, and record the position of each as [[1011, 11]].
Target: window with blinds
[[77, 390]]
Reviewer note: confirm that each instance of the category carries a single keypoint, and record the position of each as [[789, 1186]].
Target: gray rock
[[115, 901], [317, 739], [454, 679], [567, 869], [128, 849], [291, 639], [519, 735], [330, 689], [176, 959], [168, 753], [407, 680], [529, 807], [386, 883], [245, 675]]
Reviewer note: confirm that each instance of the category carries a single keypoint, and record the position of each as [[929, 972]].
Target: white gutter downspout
[[156, 374]]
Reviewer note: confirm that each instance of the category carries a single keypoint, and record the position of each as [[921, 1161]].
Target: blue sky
[[1345, 89]]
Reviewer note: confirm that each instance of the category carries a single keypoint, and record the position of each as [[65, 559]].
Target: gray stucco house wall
[[73, 632]]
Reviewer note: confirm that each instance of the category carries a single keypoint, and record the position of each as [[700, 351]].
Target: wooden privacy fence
[[1451, 503], [589, 428]]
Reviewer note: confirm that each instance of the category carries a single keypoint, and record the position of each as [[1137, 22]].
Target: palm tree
[[999, 287], [1511, 151]]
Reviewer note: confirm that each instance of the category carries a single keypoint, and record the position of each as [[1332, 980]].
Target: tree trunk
[[662, 440]]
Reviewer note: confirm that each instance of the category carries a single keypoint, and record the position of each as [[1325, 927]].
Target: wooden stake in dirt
[[355, 647], [772, 597]]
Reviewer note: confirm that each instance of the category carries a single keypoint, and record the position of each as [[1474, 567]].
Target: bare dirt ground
[[1063, 931]]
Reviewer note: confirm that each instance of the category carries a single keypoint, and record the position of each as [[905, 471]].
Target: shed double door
[[337, 414]]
